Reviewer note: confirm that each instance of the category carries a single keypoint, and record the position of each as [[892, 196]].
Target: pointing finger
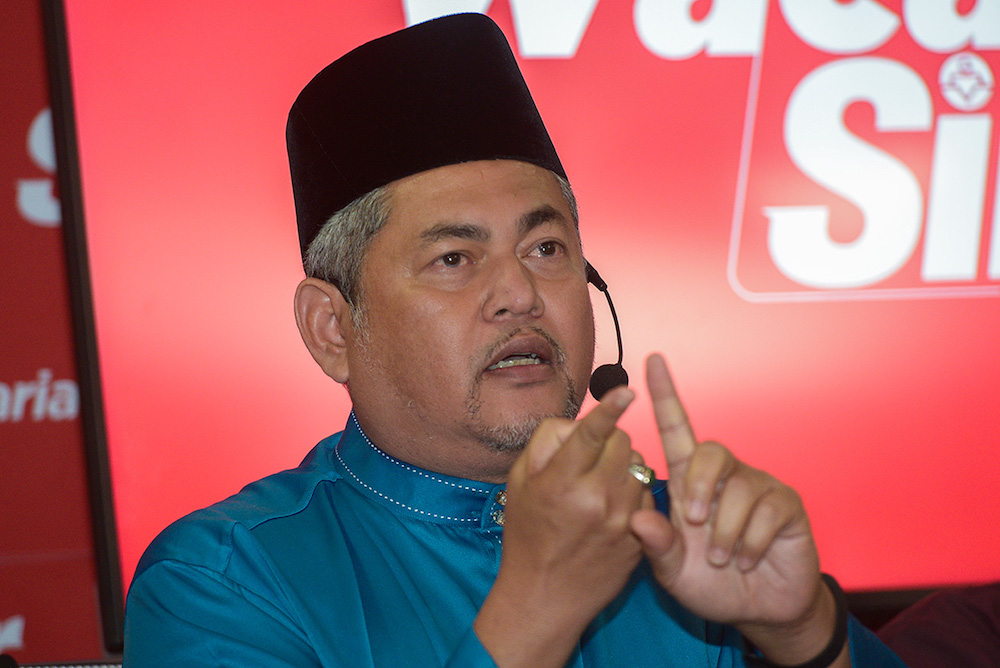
[[584, 447], [546, 441], [675, 430]]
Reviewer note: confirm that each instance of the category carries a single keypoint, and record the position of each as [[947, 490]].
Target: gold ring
[[643, 474]]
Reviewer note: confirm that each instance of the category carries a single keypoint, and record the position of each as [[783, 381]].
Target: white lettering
[[551, 29], [23, 392], [884, 188], [731, 28], [41, 146], [937, 26], [418, 11], [834, 27], [957, 197], [35, 199], [545, 28], [56, 401], [12, 633], [65, 401], [41, 394], [37, 202]]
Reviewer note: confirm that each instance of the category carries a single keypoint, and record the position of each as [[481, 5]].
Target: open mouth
[[524, 359], [523, 351]]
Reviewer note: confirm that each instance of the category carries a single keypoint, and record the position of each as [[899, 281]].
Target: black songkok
[[435, 94]]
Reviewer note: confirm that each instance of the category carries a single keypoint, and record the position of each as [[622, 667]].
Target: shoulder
[[216, 581], [206, 538]]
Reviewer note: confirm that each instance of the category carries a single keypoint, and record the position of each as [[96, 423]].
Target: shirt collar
[[408, 490]]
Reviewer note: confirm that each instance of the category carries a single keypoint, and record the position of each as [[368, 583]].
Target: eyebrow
[[540, 216], [454, 231], [527, 222]]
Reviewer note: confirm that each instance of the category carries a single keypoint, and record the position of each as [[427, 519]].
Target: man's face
[[476, 318]]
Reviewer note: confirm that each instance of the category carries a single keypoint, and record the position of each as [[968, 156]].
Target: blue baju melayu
[[358, 559]]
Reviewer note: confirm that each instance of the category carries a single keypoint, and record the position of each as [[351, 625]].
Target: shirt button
[[498, 516], [501, 497]]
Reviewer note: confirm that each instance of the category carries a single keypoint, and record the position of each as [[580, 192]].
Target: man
[[463, 517]]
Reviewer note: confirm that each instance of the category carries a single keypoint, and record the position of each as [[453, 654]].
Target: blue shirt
[[358, 559]]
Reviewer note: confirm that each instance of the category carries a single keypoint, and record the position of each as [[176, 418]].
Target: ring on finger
[[643, 474]]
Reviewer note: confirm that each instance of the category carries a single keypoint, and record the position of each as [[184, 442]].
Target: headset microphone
[[608, 375]]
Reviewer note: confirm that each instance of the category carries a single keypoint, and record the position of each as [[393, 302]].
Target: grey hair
[[337, 252]]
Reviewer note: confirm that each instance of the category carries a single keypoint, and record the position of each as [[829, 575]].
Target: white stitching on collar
[[399, 503], [407, 467]]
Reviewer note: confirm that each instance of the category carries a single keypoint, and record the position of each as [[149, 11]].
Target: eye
[[451, 259], [549, 248]]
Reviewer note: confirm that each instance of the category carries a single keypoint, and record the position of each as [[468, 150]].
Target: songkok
[[435, 94]]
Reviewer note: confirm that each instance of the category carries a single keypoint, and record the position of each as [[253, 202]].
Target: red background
[[881, 412]]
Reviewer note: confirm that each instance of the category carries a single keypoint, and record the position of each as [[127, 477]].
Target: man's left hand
[[737, 547]]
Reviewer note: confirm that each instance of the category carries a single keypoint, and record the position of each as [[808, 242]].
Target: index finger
[[584, 446], [675, 430]]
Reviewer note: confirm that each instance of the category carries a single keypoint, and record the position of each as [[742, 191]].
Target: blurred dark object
[[951, 627], [875, 608]]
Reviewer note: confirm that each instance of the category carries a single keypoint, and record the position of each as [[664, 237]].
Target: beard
[[513, 435]]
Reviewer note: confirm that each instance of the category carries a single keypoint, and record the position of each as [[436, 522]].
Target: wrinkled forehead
[[480, 198]]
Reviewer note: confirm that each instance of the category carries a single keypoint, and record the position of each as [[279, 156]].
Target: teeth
[[516, 360]]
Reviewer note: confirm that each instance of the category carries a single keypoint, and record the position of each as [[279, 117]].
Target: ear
[[324, 320]]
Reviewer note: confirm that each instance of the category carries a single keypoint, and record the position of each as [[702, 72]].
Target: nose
[[512, 292]]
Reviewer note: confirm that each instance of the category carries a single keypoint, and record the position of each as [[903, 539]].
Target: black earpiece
[[606, 376]]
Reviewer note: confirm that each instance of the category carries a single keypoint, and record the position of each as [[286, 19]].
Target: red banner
[[48, 588], [795, 200]]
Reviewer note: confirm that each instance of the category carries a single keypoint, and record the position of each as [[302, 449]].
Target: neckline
[[412, 491]]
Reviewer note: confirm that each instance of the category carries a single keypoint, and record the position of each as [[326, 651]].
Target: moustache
[[558, 354]]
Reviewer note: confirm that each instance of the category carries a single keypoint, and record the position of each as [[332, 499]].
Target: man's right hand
[[567, 546]]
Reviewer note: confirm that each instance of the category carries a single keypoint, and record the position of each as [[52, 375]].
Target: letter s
[[885, 189], [35, 198]]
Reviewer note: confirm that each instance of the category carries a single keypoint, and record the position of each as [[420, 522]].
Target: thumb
[[662, 545]]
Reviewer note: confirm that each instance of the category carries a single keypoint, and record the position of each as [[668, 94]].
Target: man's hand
[[568, 547], [737, 548]]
